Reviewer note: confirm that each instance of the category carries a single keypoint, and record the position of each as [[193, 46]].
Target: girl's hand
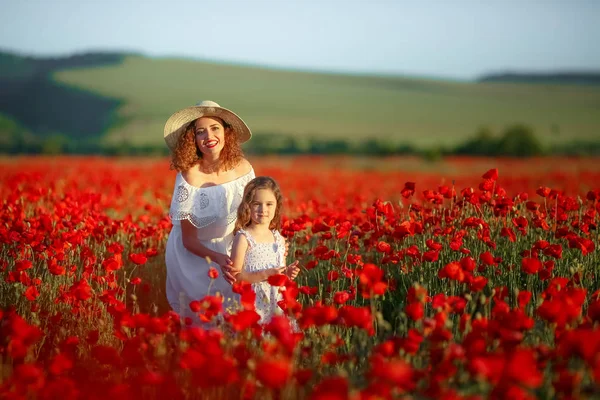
[[292, 270], [226, 267], [275, 271]]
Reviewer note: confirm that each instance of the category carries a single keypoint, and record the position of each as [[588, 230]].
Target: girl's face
[[210, 136], [263, 207]]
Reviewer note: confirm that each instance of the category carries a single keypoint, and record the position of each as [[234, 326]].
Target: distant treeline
[[515, 141], [568, 78]]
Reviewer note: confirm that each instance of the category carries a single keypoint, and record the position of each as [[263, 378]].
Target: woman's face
[[210, 136]]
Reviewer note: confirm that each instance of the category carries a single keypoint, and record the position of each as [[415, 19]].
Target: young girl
[[258, 248]]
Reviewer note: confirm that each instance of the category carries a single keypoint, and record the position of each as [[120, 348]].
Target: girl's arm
[[238, 255], [259, 276], [193, 245]]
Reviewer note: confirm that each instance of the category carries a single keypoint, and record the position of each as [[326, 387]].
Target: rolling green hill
[[419, 112], [416, 111], [31, 102]]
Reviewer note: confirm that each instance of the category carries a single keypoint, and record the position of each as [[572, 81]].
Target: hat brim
[[177, 122]]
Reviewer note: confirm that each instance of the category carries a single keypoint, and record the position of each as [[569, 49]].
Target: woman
[[212, 173]]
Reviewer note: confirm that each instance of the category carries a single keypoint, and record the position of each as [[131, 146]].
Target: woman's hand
[[226, 266], [292, 270]]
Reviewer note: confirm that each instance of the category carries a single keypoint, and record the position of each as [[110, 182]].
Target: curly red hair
[[186, 154], [244, 212]]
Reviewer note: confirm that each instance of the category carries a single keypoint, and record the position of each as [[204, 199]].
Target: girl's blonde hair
[[244, 212]]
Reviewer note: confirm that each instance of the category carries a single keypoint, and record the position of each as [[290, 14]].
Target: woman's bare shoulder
[[194, 177], [243, 167]]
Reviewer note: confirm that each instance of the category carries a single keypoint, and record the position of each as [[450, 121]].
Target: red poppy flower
[[531, 265], [478, 283], [277, 280], [333, 276], [491, 174], [371, 280], [31, 293], [281, 329], [23, 265], [341, 297], [195, 306], [433, 245], [81, 290], [490, 367], [396, 372], [523, 298], [412, 342], [543, 191], [487, 259], [213, 273], [431, 255], [357, 316], [112, 263], [274, 373], [522, 368], [452, 271], [383, 247], [413, 251], [243, 320], [468, 264], [508, 233], [138, 258], [408, 190], [414, 311], [136, 281], [55, 268]]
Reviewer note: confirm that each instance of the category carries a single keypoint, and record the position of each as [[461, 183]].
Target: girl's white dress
[[213, 210], [259, 257]]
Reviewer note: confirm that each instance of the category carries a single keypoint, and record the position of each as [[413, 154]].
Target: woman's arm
[[193, 245]]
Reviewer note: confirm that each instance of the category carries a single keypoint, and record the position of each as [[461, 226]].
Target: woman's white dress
[[213, 210], [259, 257]]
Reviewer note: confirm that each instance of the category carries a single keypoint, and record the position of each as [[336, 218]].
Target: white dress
[[261, 256], [213, 210]]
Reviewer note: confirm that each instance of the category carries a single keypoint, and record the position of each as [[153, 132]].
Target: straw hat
[[180, 120]]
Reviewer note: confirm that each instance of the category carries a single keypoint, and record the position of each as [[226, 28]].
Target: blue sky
[[453, 39]]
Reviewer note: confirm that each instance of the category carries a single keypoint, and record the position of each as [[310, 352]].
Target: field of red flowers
[[465, 278]]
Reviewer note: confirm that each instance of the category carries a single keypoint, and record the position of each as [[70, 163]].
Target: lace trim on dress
[[198, 222], [205, 206]]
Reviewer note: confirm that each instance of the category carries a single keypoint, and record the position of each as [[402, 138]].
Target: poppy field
[[463, 279]]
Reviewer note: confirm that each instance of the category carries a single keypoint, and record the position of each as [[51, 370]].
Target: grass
[[415, 111]]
